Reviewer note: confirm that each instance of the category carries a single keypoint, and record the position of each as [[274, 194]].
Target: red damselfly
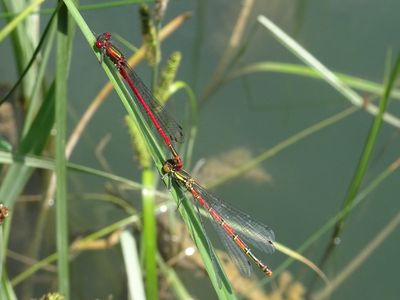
[[228, 222], [154, 113]]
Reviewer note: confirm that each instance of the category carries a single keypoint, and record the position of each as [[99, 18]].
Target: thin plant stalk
[[363, 164], [64, 33]]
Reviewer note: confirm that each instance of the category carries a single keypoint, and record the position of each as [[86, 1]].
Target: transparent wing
[[167, 122], [217, 269], [234, 252], [255, 233]]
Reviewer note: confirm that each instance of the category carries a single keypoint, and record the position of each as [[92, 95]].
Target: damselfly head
[[102, 38], [99, 44], [168, 167]]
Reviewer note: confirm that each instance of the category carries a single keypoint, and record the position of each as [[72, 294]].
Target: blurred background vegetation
[[290, 111]]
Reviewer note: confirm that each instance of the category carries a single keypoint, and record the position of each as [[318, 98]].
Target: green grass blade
[[186, 209], [6, 290], [5, 229], [371, 141], [34, 142], [36, 97], [300, 70], [328, 75], [91, 237], [124, 95], [3, 250], [84, 7], [149, 234], [30, 161], [283, 145], [120, 88], [172, 279], [357, 261], [33, 269], [31, 62], [132, 266], [63, 58], [361, 196], [19, 18], [189, 215], [23, 39], [364, 162], [5, 145], [112, 4]]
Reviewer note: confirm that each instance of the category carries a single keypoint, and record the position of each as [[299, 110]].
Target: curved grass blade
[[218, 278], [132, 266], [363, 163], [19, 18], [65, 33], [328, 75], [300, 70], [156, 151], [34, 55], [33, 142]]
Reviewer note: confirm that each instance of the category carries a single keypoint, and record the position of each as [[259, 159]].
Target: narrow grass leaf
[[85, 7], [34, 142], [2, 251], [297, 137], [186, 210], [356, 262], [218, 278], [172, 279], [149, 233], [328, 75], [367, 151], [36, 97], [19, 18], [64, 42], [297, 256], [5, 145], [23, 39], [48, 164], [75, 247], [361, 196], [43, 65], [300, 70], [6, 290], [132, 266]]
